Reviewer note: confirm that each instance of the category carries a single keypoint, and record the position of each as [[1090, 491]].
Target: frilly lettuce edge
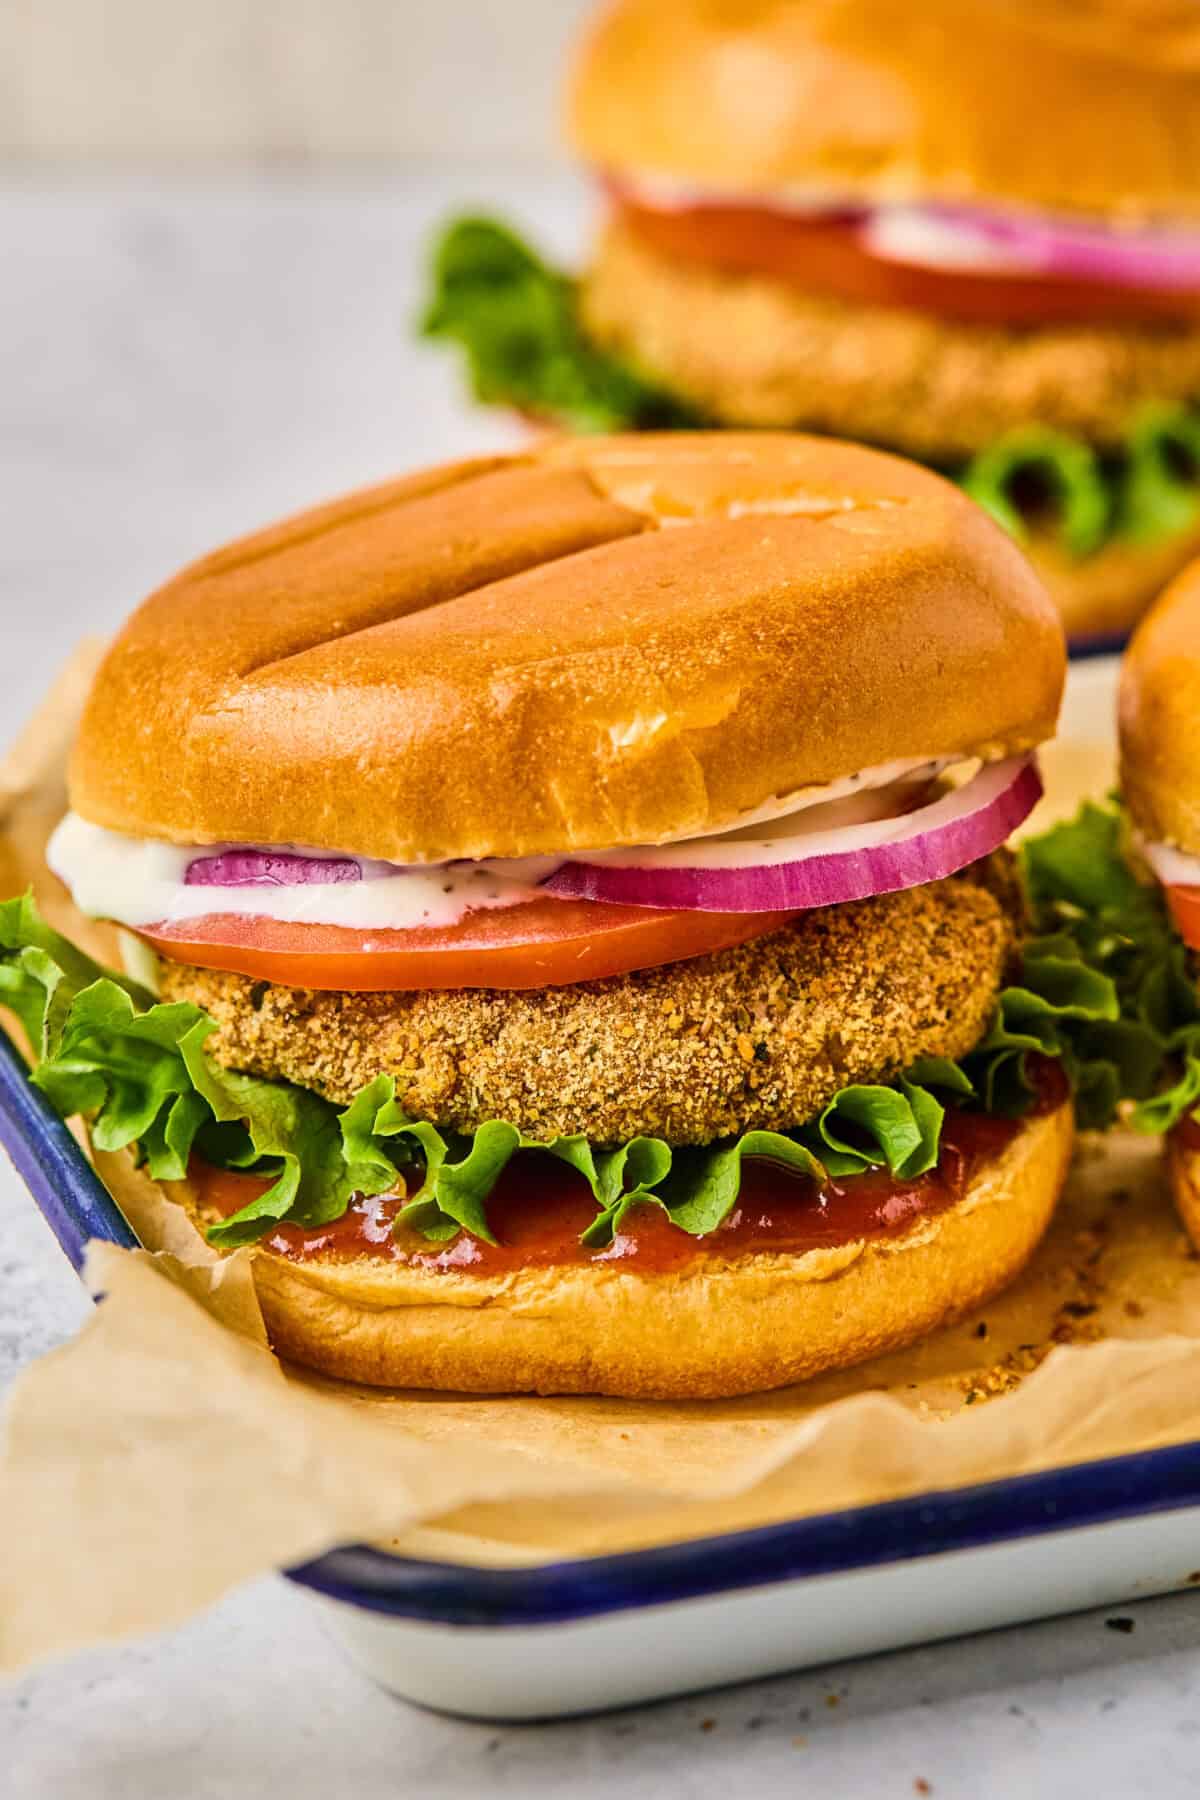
[[1088, 896]]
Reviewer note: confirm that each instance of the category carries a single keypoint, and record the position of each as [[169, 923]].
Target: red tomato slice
[[541, 943], [1185, 909], [826, 258]]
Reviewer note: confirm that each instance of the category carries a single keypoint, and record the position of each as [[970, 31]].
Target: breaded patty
[[762, 1035], [749, 350]]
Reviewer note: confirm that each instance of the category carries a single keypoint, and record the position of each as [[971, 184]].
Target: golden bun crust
[[1109, 591], [708, 1332], [1183, 1172], [520, 659], [1160, 718], [1084, 108]]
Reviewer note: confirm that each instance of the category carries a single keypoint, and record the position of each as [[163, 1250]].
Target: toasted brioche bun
[[716, 1329], [1088, 108], [1160, 718], [1183, 1172], [517, 659]]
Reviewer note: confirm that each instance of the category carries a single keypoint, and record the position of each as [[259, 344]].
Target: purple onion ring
[[269, 868], [926, 845]]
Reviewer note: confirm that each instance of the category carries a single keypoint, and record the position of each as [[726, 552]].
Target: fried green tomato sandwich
[[573, 939], [968, 233]]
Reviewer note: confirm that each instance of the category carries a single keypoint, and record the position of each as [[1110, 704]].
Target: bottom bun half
[[1105, 594], [1183, 1166], [715, 1329]]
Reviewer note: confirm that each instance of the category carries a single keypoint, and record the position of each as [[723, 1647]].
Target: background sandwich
[[575, 890], [971, 235]]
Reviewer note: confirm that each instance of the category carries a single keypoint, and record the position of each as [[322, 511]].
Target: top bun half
[[1160, 718], [601, 642], [1092, 107]]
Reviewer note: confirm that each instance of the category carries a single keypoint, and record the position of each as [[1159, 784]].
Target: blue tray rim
[[77, 1206], [934, 1523]]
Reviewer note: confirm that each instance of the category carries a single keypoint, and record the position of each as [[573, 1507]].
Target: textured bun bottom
[[711, 1331], [1107, 593], [1183, 1168]]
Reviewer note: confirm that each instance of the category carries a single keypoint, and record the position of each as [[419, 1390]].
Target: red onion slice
[[269, 868], [848, 864], [1034, 244]]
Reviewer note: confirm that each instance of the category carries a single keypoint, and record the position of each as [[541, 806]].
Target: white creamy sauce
[[908, 235], [847, 822], [1174, 868], [141, 881], [667, 193], [780, 807]]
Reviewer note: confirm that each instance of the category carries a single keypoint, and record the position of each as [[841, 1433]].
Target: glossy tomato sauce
[[540, 1207]]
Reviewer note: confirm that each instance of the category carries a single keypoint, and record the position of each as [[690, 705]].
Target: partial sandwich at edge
[[587, 955], [1160, 781]]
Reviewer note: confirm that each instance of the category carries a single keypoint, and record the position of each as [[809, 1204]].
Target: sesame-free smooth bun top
[[1160, 718], [1091, 107], [605, 641]]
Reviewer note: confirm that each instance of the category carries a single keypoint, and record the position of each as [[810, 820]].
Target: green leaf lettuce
[[1086, 893], [516, 320]]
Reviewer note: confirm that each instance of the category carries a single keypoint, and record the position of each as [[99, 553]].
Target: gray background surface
[[166, 79]]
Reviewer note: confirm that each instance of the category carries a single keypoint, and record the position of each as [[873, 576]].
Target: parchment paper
[[164, 1454]]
